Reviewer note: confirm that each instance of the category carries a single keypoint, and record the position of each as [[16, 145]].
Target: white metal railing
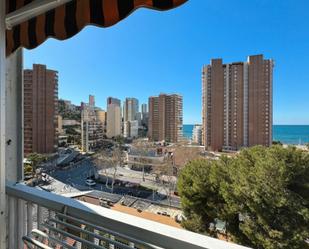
[[40, 219]]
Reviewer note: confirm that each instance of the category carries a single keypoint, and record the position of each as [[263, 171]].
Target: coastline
[[297, 135]]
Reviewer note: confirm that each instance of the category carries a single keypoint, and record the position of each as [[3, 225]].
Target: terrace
[[33, 218]]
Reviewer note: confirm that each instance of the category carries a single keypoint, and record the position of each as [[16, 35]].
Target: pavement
[[126, 174]]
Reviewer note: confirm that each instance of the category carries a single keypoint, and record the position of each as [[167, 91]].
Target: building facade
[[130, 109], [237, 104], [138, 117], [145, 115], [165, 118], [60, 130], [91, 100], [70, 122], [101, 116], [114, 120], [197, 134], [40, 110], [130, 129], [152, 157], [92, 135], [144, 108], [92, 125]]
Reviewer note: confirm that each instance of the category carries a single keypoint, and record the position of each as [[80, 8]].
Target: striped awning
[[67, 20]]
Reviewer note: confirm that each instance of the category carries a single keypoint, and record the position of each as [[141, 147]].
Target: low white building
[[70, 122], [147, 158]]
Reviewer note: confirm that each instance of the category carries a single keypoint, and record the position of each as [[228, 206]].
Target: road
[[76, 177], [129, 175]]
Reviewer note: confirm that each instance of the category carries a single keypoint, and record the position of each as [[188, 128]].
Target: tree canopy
[[35, 160], [262, 194]]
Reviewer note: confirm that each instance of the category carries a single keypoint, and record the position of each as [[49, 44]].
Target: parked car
[[90, 182]]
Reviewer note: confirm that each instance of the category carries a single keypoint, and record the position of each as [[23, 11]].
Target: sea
[[286, 134]]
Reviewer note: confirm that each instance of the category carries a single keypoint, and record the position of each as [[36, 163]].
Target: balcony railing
[[40, 219]]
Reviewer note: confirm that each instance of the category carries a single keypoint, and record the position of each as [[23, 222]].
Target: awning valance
[[68, 19]]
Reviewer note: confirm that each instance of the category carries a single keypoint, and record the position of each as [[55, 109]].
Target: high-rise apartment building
[[237, 103], [91, 100], [92, 132], [92, 125], [114, 120], [101, 116], [138, 117], [165, 118], [144, 108], [40, 110], [130, 109], [111, 100], [197, 134], [145, 115]]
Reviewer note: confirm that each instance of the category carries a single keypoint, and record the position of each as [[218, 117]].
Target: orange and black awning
[[67, 20]]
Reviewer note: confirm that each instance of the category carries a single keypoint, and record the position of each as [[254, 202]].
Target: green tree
[[262, 194], [35, 160], [119, 140], [61, 106], [199, 188], [277, 143], [71, 131]]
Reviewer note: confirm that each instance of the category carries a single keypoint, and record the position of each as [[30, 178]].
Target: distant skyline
[[152, 52]]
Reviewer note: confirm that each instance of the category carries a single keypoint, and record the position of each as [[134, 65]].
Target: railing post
[[112, 246], [39, 217], [12, 228], [21, 224], [29, 217], [3, 212], [96, 240]]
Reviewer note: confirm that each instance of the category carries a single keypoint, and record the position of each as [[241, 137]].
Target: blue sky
[[152, 52]]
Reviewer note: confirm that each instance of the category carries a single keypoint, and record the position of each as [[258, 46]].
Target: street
[[77, 175]]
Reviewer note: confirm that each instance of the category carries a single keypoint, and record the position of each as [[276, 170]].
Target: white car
[[90, 182]]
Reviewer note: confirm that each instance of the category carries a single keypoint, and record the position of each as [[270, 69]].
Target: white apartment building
[[92, 131], [130, 109], [197, 134], [92, 127], [130, 129]]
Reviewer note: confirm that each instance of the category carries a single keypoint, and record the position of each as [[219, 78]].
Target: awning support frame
[[31, 10]]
